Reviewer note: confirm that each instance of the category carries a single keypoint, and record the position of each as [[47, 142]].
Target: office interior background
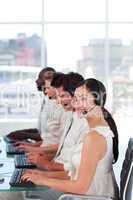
[[94, 38]]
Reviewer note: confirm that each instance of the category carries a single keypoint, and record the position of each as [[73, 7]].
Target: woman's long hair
[[98, 90]]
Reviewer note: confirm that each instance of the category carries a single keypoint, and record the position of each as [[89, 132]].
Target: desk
[[7, 169]]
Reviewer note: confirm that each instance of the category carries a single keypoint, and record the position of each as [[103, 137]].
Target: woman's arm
[[55, 174], [53, 166], [94, 149], [44, 161], [39, 158], [51, 174], [58, 174]]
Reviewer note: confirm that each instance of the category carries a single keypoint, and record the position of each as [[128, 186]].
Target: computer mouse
[[2, 180], [1, 164]]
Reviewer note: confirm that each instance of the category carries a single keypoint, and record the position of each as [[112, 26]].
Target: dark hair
[[57, 79], [47, 69], [98, 90], [68, 81], [40, 81], [112, 125], [74, 79]]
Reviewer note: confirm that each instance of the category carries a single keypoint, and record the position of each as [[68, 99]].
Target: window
[[94, 38], [20, 44], [21, 11], [120, 11], [74, 11], [21, 58], [84, 36], [72, 47]]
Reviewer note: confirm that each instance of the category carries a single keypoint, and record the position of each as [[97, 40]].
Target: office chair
[[126, 180]]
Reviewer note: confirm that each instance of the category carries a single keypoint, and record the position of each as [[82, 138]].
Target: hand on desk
[[28, 147], [39, 159], [34, 176], [23, 146]]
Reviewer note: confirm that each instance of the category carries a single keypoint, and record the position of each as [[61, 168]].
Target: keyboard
[[9, 140], [16, 181], [21, 162], [11, 150]]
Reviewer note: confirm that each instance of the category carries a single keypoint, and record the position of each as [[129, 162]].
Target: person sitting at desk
[[90, 169], [75, 128], [57, 80], [45, 74], [52, 119]]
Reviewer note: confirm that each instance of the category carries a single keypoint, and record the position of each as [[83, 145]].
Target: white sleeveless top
[[103, 183]]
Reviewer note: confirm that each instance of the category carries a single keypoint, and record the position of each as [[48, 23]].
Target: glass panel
[[20, 45], [76, 47], [121, 64], [73, 10], [120, 10], [20, 57], [16, 10]]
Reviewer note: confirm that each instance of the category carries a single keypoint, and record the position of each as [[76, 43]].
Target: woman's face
[[84, 100]]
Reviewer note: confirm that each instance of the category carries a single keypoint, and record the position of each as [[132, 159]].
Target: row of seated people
[[76, 142]]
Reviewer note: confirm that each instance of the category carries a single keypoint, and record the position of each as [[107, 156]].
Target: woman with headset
[[91, 166]]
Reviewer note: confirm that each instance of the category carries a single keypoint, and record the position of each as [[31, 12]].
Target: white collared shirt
[[44, 102], [52, 123], [67, 124]]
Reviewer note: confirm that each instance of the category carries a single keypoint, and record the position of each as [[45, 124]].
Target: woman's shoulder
[[98, 135], [104, 131], [94, 137]]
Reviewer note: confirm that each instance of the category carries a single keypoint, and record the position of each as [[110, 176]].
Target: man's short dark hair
[[58, 78], [68, 81], [40, 81]]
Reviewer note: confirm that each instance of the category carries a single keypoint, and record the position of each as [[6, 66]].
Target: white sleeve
[[73, 164], [68, 166], [56, 123]]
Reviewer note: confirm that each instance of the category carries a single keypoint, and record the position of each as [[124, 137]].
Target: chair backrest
[[126, 182]]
